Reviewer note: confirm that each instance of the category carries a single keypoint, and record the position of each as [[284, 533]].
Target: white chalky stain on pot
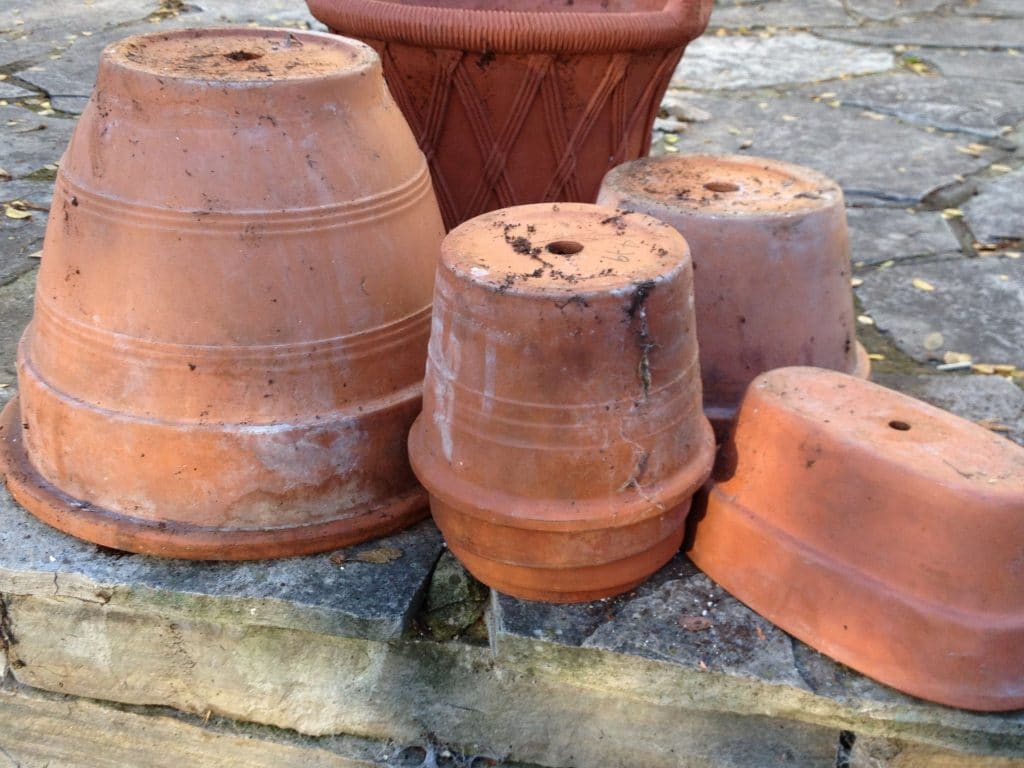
[[446, 369], [490, 366]]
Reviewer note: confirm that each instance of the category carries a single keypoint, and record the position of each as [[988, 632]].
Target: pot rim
[[572, 32]]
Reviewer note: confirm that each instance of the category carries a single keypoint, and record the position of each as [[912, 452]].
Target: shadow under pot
[[233, 306], [771, 264], [523, 101], [562, 435], [882, 531]]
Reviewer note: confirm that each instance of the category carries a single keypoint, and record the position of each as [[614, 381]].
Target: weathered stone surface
[[937, 32], [18, 241], [984, 65], [715, 63], [353, 598], [31, 141], [12, 91], [1007, 8], [41, 729], [963, 105], [892, 753], [842, 143], [776, 13], [977, 306], [883, 10], [880, 234], [455, 600], [996, 213], [991, 400], [16, 299]]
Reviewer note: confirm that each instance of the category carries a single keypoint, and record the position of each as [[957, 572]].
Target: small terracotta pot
[[233, 306], [562, 436], [884, 532], [523, 101], [771, 264]]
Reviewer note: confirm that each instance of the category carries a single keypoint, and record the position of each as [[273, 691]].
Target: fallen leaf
[[338, 558], [922, 285], [933, 341], [36, 254], [984, 368], [1004, 367], [993, 426], [760, 633], [671, 138], [876, 356], [695, 623], [790, 118], [746, 144], [15, 213], [380, 556], [956, 357], [1000, 168], [952, 213], [701, 664], [872, 115], [856, 281], [865, 320], [887, 264], [4, 174]]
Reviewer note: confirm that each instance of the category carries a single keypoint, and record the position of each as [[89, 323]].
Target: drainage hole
[[564, 247], [721, 186], [243, 56], [902, 426]]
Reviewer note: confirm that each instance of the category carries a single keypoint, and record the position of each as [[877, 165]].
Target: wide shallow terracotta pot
[[562, 436], [771, 264], [523, 101], [233, 306], [884, 532]]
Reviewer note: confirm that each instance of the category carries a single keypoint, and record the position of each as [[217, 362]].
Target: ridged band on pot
[[771, 264], [562, 435], [522, 101], [233, 305], [884, 532]]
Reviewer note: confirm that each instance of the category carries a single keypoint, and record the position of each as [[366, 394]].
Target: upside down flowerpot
[[882, 531], [233, 305], [523, 101], [771, 264], [562, 436]]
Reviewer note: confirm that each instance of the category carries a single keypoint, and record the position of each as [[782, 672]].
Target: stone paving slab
[[355, 599], [884, 10], [1004, 8], [881, 234], [842, 143], [804, 15], [982, 65], [722, 63], [977, 306], [996, 213], [937, 32], [984, 108]]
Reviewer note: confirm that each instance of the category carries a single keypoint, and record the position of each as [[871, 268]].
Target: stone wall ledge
[[333, 646]]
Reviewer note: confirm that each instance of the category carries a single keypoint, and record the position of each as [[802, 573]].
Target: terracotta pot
[[562, 437], [884, 532], [771, 264], [523, 101], [233, 306]]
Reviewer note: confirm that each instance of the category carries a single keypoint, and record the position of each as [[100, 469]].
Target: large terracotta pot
[[562, 436], [523, 101], [884, 532], [233, 306], [771, 264]]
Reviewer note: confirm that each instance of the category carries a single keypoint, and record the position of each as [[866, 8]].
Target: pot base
[[166, 539]]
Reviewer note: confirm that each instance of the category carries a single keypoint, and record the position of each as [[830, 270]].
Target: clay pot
[[233, 306], [523, 101], [562, 437], [771, 264], [884, 532]]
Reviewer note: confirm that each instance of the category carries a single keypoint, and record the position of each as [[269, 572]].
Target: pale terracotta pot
[[771, 264], [233, 305], [523, 101], [884, 532], [562, 436]]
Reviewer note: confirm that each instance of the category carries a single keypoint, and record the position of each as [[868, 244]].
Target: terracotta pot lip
[[358, 56], [545, 251], [794, 192], [491, 505], [507, 31]]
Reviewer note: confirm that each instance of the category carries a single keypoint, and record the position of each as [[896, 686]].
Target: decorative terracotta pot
[[523, 101], [233, 306], [562, 436], [771, 264], [884, 532]]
